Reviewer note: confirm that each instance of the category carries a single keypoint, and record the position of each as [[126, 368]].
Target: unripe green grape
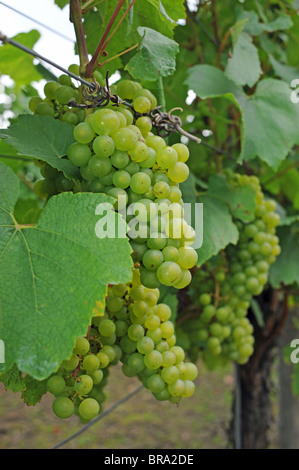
[[152, 322], [149, 279], [156, 142], [103, 359], [81, 346], [167, 329], [148, 94], [128, 115], [34, 101], [97, 376], [161, 189], [139, 153], [63, 94], [169, 273], [126, 89], [74, 68], [182, 151], [105, 121], [49, 89], [142, 104], [56, 384], [155, 383], [63, 183], [128, 345], [63, 407], [84, 133], [44, 109], [109, 350], [79, 154], [99, 166], [157, 241], [187, 257], [153, 360], [136, 362], [140, 183], [70, 117], [135, 332], [90, 363], [144, 124], [167, 157], [83, 384], [121, 179], [89, 408], [120, 159], [64, 80], [125, 139], [106, 327], [179, 172], [71, 363], [103, 146], [169, 358], [152, 259]]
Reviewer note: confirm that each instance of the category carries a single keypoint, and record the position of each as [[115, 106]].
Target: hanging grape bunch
[[119, 155]]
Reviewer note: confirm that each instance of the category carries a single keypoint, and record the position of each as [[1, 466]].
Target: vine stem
[[92, 63], [76, 18]]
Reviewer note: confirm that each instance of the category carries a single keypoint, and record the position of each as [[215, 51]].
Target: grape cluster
[[223, 290], [135, 330], [119, 155]]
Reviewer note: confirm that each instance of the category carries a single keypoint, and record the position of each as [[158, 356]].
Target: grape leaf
[[176, 10], [243, 66], [155, 58], [61, 3], [254, 27], [19, 64], [34, 390], [269, 118], [59, 268], [218, 228], [241, 200], [44, 138], [13, 380], [285, 269]]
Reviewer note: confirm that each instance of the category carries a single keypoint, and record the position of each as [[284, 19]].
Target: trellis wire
[[7, 40], [98, 418]]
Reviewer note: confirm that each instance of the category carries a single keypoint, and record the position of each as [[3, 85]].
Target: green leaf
[[270, 119], [34, 390], [59, 268], [155, 58], [13, 380], [286, 72], [17, 63], [241, 200], [254, 27], [176, 10], [44, 138], [61, 3], [243, 66], [218, 228], [285, 269]]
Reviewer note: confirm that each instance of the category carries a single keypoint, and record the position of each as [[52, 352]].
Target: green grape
[[97, 376], [56, 384], [153, 360], [63, 407], [125, 139], [44, 109], [139, 153], [120, 159], [182, 151], [167, 157], [136, 362], [169, 273], [145, 345], [121, 179], [106, 327], [144, 124], [142, 104], [105, 122], [135, 332], [170, 374], [63, 94], [179, 172], [149, 279], [89, 408], [82, 346], [34, 101], [79, 154], [103, 146], [49, 90], [84, 133], [64, 80], [83, 384], [140, 183], [126, 89], [103, 359], [63, 183], [155, 383], [90, 363], [187, 257], [99, 166], [152, 259]]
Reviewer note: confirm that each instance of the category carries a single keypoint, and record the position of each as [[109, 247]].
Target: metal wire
[[38, 22], [98, 418], [7, 40]]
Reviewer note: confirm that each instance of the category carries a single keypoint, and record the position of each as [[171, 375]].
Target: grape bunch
[[135, 330], [224, 287], [118, 154]]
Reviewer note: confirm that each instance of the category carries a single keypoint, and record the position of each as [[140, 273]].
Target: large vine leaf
[[155, 58], [218, 228], [44, 138], [18, 64], [269, 118], [52, 274]]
